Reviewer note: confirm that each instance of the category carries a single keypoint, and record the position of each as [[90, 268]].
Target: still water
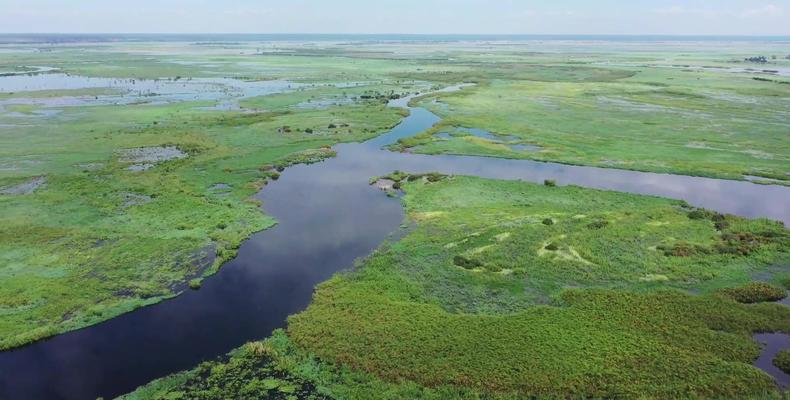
[[328, 217]]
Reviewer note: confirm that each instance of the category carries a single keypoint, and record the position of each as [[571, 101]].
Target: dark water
[[328, 216], [774, 343]]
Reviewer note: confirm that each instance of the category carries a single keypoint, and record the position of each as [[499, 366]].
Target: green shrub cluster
[[755, 292], [782, 361], [467, 263]]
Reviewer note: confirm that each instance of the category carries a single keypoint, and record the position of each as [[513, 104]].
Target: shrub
[[548, 221], [552, 247], [398, 176], [550, 183], [684, 249], [722, 225], [740, 243], [435, 177], [467, 263], [431, 177], [782, 361], [699, 214], [755, 292], [599, 224], [195, 284]]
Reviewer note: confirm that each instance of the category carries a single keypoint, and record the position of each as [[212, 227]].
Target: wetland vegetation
[[111, 207], [129, 173], [663, 120], [603, 314]]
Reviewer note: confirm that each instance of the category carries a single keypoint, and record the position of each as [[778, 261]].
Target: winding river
[[328, 217]]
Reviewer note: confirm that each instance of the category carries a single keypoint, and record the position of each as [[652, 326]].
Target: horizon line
[[396, 33]]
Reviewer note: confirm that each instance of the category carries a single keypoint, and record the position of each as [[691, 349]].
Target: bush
[[599, 224], [722, 225], [548, 221], [467, 263], [699, 214], [552, 247], [435, 177], [683, 249], [431, 177], [550, 183], [782, 361], [740, 243], [756, 292], [195, 284]]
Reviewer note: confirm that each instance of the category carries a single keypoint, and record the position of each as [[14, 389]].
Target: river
[[329, 216]]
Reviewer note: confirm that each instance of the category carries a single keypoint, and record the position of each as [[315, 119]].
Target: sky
[[628, 17]]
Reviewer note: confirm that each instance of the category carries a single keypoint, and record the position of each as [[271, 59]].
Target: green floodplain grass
[[98, 240], [607, 314], [650, 119], [782, 361], [558, 293]]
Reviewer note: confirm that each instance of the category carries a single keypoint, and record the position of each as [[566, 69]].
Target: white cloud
[[672, 10], [768, 10], [681, 11]]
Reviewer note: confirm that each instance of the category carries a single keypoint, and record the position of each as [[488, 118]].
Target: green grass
[[98, 240], [252, 370], [782, 361], [503, 290], [650, 119], [612, 324], [606, 314]]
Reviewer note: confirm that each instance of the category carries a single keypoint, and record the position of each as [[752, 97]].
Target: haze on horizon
[[655, 17]]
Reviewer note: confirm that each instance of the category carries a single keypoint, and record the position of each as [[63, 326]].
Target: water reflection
[[773, 343], [328, 216]]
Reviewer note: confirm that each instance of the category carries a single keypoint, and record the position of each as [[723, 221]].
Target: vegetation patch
[[782, 361], [87, 235], [464, 307], [414, 320], [251, 372], [628, 118], [755, 292]]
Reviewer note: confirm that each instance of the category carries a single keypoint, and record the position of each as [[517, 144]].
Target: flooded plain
[[329, 216]]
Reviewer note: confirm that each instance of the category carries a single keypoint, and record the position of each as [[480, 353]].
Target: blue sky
[[673, 17]]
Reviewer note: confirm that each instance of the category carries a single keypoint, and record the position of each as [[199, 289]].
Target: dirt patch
[[24, 188], [146, 158], [385, 184], [135, 199]]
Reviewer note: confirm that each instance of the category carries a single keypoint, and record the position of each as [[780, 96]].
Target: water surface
[[329, 216], [773, 343]]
